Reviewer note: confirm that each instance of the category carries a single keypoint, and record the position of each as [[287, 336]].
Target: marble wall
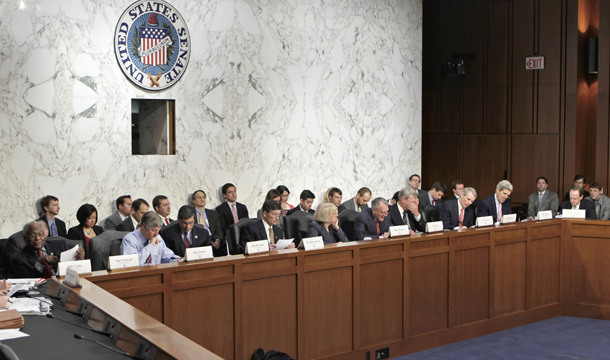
[[309, 94]]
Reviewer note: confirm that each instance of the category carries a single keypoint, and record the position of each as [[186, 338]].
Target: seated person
[[580, 181], [542, 200], [87, 228], [147, 243], [285, 194], [13, 245], [305, 203], [333, 195], [432, 197], [39, 258], [457, 212], [359, 202], [230, 211], [497, 204], [266, 228], [406, 211], [326, 224], [394, 198], [577, 202], [373, 222], [123, 204], [271, 195], [184, 233], [50, 209], [139, 207]]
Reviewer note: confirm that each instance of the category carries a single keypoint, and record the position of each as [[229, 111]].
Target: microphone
[[81, 337], [56, 306], [51, 316]]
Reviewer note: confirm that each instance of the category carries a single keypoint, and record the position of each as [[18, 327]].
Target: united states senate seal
[[152, 44]]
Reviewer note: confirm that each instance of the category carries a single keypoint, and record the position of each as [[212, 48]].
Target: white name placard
[[199, 253], [508, 218], [72, 278], [573, 214], [258, 246], [123, 261], [544, 215], [485, 221], [399, 230], [434, 226], [80, 266], [312, 243]]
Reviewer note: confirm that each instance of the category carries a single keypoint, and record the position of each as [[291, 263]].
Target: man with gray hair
[[147, 243], [373, 222], [457, 213], [498, 204], [406, 211]]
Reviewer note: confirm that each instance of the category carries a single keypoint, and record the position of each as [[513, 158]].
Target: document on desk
[[11, 334], [283, 243], [69, 255], [29, 306]]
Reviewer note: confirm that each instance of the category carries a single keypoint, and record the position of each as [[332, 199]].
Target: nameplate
[[80, 266], [258, 246], [399, 230], [485, 221], [434, 226], [123, 261], [544, 215], [199, 253], [72, 278], [312, 243], [508, 218], [573, 214]]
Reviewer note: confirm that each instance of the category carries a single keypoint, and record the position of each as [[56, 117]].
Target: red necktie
[[166, 221], [47, 272], [432, 202], [234, 211], [461, 217], [377, 227], [148, 259], [187, 244]]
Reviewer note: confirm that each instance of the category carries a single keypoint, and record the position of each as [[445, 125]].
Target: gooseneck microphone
[[81, 337]]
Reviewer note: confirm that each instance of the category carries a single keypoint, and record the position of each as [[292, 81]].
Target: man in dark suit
[[457, 186], [359, 202], [184, 233], [373, 222], [39, 258], [50, 207], [577, 202], [305, 203], [406, 211], [211, 221], [457, 212], [162, 208], [498, 204], [433, 196], [542, 200], [266, 228], [414, 183], [123, 205], [580, 181], [230, 211], [138, 208]]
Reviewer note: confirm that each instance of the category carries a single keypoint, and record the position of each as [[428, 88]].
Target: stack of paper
[[10, 319]]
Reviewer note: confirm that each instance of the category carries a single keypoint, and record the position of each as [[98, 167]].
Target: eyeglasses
[[33, 236]]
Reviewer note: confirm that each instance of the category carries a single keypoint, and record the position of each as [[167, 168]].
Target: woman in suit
[[284, 194], [326, 224], [87, 218]]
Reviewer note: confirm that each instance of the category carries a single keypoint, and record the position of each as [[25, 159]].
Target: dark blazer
[[226, 216], [451, 217], [77, 233], [23, 265], [316, 228], [257, 231], [584, 205], [424, 201], [298, 208], [365, 225], [487, 207], [217, 231], [126, 225], [172, 235], [396, 219], [61, 226], [112, 221], [13, 246]]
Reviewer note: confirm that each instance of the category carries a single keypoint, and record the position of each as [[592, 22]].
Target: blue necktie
[[53, 229]]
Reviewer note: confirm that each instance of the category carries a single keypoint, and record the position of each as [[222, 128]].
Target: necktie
[[404, 217], [432, 202], [271, 235], [539, 200], [46, 273], [234, 211], [148, 259], [499, 212], [53, 229], [377, 222], [166, 221], [461, 217], [598, 208], [187, 244], [201, 218], [137, 226]]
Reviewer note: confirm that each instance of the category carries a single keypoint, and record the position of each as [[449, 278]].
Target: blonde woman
[[326, 224]]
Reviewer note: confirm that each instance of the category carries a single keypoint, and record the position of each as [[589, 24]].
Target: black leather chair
[[115, 247], [6, 353], [431, 213], [295, 226], [521, 212], [347, 221], [235, 234], [99, 248]]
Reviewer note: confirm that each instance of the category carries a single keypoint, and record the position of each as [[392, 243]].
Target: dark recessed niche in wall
[[152, 127]]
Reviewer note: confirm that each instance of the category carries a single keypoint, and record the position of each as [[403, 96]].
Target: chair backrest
[[100, 248], [295, 226], [235, 234], [115, 247], [347, 221], [6, 353], [431, 213], [521, 211], [2, 243]]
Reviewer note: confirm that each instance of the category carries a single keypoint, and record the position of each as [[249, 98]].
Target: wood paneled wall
[[499, 120]]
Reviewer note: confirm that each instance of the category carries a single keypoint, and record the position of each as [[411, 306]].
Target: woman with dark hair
[[274, 195], [284, 194], [87, 218]]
